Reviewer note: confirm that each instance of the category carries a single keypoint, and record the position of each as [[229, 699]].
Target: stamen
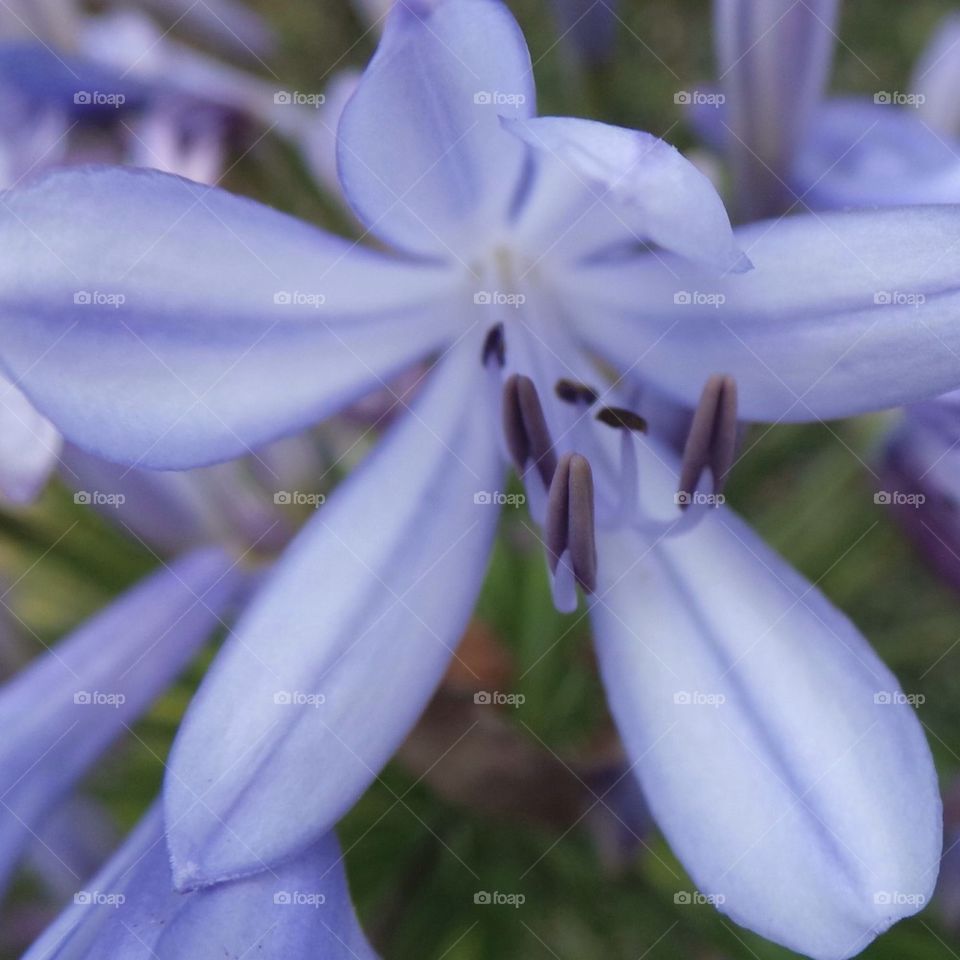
[[713, 436], [622, 419], [558, 513], [570, 524], [525, 427], [494, 346], [570, 391]]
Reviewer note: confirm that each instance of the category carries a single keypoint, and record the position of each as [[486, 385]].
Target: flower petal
[[340, 652], [167, 324], [130, 910], [654, 193], [29, 446], [73, 842], [67, 706], [779, 755], [589, 26], [132, 44], [171, 511], [773, 58], [230, 24], [862, 154], [422, 156], [920, 481], [42, 79], [936, 75], [844, 313]]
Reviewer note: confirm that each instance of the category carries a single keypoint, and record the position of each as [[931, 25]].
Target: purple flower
[[518, 249], [898, 148], [66, 707], [789, 145], [175, 106], [130, 911], [920, 474], [773, 59]]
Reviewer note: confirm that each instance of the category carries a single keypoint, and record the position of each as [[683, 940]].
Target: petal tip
[[740, 262], [187, 876]]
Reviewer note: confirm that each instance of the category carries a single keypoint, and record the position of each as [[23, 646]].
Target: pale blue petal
[[773, 58], [648, 190], [780, 757], [230, 24], [920, 481], [71, 844], [170, 511], [344, 645], [29, 446], [422, 157], [844, 313], [130, 911], [590, 26], [42, 79], [237, 324], [936, 77], [133, 45], [863, 154], [66, 707]]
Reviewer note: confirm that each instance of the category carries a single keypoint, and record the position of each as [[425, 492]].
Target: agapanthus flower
[[118, 90], [775, 751], [230, 24], [919, 480], [130, 910], [790, 145], [66, 707], [894, 148]]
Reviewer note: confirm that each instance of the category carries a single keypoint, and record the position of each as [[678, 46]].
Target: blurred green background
[[416, 860]]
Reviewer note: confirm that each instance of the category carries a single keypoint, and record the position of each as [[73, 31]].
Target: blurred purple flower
[[519, 248], [920, 476], [788, 145], [773, 59], [823, 154], [130, 911], [166, 107], [230, 24], [947, 895], [65, 708]]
